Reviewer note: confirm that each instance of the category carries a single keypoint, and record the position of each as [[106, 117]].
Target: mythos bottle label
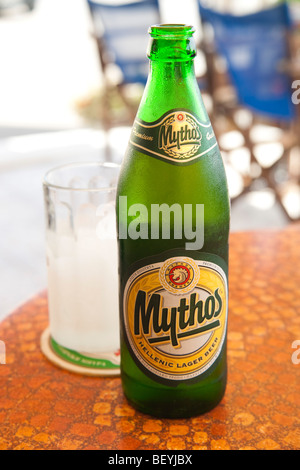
[[175, 317], [177, 137]]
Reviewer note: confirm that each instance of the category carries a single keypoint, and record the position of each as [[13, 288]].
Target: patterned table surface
[[43, 407]]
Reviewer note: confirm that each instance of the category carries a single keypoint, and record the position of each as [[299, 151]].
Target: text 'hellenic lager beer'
[[173, 299]]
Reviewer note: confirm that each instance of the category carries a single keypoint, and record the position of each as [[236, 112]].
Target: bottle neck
[[171, 43], [172, 71], [172, 82], [171, 51], [171, 85]]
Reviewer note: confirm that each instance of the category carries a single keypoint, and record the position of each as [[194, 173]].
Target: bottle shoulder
[[149, 180], [167, 91]]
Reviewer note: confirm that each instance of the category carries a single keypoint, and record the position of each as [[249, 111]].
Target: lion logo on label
[[179, 277]]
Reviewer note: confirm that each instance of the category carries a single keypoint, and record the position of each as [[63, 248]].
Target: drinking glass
[[82, 260]]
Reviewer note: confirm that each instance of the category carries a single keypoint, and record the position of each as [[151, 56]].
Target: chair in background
[[121, 32], [256, 50]]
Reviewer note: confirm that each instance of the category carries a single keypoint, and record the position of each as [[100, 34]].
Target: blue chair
[[257, 53], [121, 33], [121, 29], [255, 47]]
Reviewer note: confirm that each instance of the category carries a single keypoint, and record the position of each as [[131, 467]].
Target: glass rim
[[48, 184]]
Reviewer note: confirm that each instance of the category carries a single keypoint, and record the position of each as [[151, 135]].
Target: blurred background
[[71, 76]]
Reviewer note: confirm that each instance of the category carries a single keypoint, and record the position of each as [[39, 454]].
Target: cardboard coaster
[[107, 364]]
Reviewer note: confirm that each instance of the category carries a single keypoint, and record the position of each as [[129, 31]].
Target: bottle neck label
[[178, 137], [175, 316]]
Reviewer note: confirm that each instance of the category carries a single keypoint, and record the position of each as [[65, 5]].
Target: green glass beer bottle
[[173, 216]]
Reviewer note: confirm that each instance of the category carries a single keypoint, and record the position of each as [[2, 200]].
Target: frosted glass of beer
[[82, 263]]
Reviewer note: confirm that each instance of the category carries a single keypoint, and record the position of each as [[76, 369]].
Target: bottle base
[[177, 403], [174, 413]]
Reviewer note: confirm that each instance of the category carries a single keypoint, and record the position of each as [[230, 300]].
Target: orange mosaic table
[[44, 407]]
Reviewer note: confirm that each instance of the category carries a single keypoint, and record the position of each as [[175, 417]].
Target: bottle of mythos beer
[[173, 226]]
